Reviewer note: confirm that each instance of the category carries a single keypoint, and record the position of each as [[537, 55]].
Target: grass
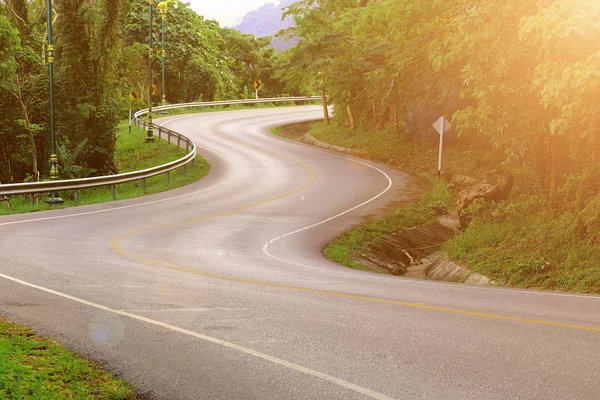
[[132, 153], [520, 242], [418, 156], [276, 131], [434, 202], [521, 248], [36, 368]]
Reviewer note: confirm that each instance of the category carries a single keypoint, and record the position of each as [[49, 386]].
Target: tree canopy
[[518, 76], [101, 55]]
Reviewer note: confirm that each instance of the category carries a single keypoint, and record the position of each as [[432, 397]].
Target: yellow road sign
[[133, 95], [257, 84]]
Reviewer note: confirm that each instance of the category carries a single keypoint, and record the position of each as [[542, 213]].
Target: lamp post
[[150, 134], [163, 7], [54, 198]]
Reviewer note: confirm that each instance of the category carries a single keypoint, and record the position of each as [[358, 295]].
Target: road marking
[[417, 281], [115, 246], [366, 298], [296, 367], [389, 186], [131, 205]]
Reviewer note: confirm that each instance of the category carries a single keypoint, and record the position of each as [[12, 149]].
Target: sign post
[[132, 96], [257, 87], [442, 126]]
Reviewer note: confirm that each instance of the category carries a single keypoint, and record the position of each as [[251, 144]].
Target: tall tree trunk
[[325, 109], [395, 118], [349, 110], [33, 149], [324, 101], [555, 144], [374, 114]]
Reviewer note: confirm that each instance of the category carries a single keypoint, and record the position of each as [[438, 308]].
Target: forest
[[516, 76], [101, 55]]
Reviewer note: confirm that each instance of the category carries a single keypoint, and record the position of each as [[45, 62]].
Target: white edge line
[[420, 282], [317, 374], [389, 186], [131, 205]]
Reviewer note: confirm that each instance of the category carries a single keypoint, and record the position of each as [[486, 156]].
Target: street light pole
[[54, 198], [163, 14], [163, 7], [150, 135]]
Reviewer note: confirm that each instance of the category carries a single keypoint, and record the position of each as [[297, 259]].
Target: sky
[[227, 12]]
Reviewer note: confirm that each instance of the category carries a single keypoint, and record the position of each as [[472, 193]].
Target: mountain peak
[[267, 21]]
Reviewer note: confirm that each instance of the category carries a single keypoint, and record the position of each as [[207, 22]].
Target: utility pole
[[163, 8], [54, 197], [150, 135]]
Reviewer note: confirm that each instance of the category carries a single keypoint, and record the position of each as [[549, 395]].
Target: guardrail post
[[31, 199], [114, 192], [187, 147], [144, 185], [167, 178], [178, 140], [169, 137], [159, 133], [76, 196]]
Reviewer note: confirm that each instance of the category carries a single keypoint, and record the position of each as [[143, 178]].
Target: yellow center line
[[115, 244]]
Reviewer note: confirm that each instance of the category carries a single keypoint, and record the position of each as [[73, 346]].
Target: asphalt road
[[218, 290]]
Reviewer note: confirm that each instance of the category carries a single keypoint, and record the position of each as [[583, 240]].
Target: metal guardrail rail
[[113, 180], [140, 113]]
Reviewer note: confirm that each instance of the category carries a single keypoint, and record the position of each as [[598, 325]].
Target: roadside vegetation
[[435, 202], [132, 153], [517, 80], [522, 242], [32, 367], [101, 57]]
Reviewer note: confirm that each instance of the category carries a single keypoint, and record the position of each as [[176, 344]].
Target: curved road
[[218, 290]]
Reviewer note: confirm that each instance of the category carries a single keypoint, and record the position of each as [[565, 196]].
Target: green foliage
[[511, 75], [9, 46], [68, 169], [101, 55], [522, 241]]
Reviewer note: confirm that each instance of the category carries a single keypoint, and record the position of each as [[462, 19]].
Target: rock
[[444, 269], [458, 182], [496, 187]]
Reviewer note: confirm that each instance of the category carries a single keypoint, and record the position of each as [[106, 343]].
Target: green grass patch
[[515, 246], [132, 154], [36, 368], [276, 131], [415, 155], [434, 202]]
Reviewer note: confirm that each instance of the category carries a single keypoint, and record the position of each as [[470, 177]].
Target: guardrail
[[75, 185], [140, 113]]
